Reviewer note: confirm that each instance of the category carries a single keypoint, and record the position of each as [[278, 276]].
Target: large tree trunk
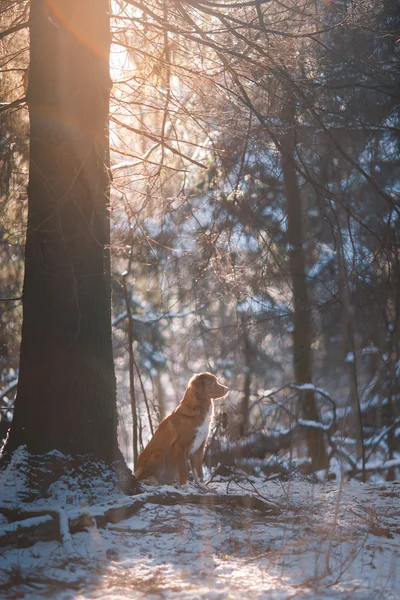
[[66, 393], [302, 334]]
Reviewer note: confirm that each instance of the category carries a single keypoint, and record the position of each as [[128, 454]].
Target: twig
[[14, 299], [144, 396], [13, 29], [14, 104]]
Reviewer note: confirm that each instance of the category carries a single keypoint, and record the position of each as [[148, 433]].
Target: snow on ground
[[329, 542]]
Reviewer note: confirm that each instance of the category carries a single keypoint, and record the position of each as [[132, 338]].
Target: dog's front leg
[[196, 463], [181, 462]]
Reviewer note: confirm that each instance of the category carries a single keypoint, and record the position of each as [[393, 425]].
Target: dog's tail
[[138, 473]]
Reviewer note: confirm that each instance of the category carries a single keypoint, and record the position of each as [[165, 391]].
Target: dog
[[181, 437]]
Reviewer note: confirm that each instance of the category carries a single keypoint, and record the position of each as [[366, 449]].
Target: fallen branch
[[28, 526], [103, 515], [230, 500], [259, 445]]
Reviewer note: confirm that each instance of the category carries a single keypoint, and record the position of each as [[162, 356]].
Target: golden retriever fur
[[181, 437]]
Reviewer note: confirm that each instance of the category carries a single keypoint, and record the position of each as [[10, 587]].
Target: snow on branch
[[270, 395], [374, 466], [153, 319], [9, 388], [24, 530], [315, 424]]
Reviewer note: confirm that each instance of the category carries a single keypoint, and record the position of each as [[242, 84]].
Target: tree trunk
[[349, 353], [245, 401], [302, 335], [132, 393], [67, 393]]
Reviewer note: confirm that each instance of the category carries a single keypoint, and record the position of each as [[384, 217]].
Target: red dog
[[182, 435]]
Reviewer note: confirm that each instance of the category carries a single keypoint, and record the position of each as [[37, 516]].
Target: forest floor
[[330, 541]]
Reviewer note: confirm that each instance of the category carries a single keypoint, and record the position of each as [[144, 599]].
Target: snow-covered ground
[[331, 541]]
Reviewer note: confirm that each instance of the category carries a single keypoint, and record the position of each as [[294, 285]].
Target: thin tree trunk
[[160, 397], [302, 335], [392, 326], [67, 393], [245, 402], [132, 393], [350, 354]]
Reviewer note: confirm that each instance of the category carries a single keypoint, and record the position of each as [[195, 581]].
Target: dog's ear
[[198, 384], [191, 391], [195, 389], [197, 381]]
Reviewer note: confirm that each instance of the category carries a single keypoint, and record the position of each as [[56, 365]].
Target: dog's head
[[206, 385]]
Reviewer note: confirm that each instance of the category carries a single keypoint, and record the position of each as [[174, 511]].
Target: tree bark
[[67, 393], [302, 334]]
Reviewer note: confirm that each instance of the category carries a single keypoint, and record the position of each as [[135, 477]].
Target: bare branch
[[14, 104], [13, 29]]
